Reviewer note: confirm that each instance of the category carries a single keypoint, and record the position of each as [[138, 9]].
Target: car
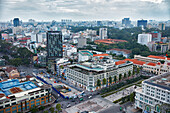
[[90, 97], [81, 99], [73, 100], [68, 105]]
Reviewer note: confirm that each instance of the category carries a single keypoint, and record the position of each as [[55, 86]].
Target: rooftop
[[14, 86], [162, 81], [124, 50]]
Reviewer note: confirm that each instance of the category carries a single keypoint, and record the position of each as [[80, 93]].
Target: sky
[[48, 10]]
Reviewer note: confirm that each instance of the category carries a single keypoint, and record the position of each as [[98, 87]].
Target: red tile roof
[[9, 69], [100, 55], [135, 61], [120, 62], [151, 64], [157, 57]]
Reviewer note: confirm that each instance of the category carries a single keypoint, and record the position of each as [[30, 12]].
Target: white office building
[[154, 95], [144, 39]]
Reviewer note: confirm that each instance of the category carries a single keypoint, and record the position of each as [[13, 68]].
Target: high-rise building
[[126, 22], [99, 23], [142, 23], [54, 48], [154, 95], [143, 39], [161, 26], [103, 33], [16, 22]]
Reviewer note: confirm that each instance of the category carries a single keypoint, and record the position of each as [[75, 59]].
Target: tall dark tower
[[54, 48], [142, 23], [16, 22]]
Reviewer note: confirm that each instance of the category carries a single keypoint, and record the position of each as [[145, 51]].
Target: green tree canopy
[[104, 81], [98, 83]]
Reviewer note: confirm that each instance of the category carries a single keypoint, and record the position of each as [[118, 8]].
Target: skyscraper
[[141, 23], [126, 22], [16, 22], [103, 33], [54, 48], [161, 26]]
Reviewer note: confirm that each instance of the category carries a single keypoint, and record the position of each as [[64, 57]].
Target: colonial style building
[[154, 95]]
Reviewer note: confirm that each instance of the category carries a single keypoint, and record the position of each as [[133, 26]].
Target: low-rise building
[[154, 95], [126, 53], [87, 74], [157, 68], [150, 58], [12, 72], [21, 95]]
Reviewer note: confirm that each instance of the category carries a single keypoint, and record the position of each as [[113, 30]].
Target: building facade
[[142, 23], [16, 22], [18, 96], [144, 39], [86, 75], [154, 95], [103, 33], [54, 48]]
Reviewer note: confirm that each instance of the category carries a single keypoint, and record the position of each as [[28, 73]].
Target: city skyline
[[48, 10]]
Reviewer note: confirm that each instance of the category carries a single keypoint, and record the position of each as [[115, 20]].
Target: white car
[[90, 97], [68, 106]]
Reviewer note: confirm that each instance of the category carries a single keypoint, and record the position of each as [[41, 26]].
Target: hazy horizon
[[84, 10]]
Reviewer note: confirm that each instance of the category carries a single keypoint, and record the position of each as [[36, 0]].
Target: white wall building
[[154, 95], [103, 33], [144, 39]]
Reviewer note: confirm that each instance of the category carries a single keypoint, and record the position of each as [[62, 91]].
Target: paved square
[[95, 104]]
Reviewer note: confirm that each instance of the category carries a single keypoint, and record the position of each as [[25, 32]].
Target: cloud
[[84, 9]]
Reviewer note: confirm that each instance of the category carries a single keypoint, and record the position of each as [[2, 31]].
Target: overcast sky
[[49, 10]]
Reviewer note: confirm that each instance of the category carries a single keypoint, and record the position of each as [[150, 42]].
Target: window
[[15, 111], [1, 107], [19, 109], [38, 100], [37, 104], [37, 96], [19, 106], [7, 110], [7, 105], [42, 95], [32, 105], [42, 102], [42, 98], [14, 103], [32, 102], [14, 108], [46, 101], [32, 98]]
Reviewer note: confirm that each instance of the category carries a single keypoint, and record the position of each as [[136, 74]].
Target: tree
[[45, 112], [98, 83], [5, 57], [132, 96], [58, 107], [110, 79], [120, 77], [124, 75], [104, 81], [56, 111], [129, 73], [115, 79], [52, 110], [138, 70], [133, 71], [34, 109], [42, 108]]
